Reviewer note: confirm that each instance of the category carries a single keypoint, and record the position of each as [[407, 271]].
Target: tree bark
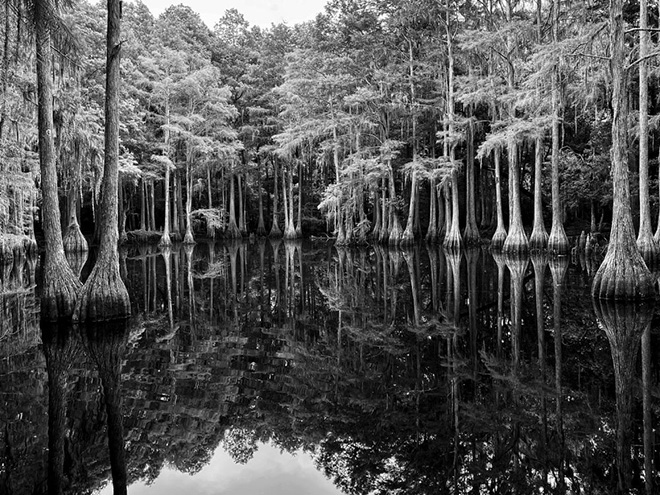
[[471, 235], [60, 285], [623, 275], [646, 244], [557, 241], [499, 237], [104, 295], [516, 241], [539, 238], [275, 230]]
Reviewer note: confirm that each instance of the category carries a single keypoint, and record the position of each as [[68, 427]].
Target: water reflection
[[419, 371]]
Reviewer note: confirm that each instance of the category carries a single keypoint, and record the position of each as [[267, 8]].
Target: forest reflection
[[400, 371]]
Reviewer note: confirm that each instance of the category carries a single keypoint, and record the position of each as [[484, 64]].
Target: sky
[[269, 472], [257, 12]]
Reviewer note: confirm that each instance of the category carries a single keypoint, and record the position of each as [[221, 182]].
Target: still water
[[253, 367]]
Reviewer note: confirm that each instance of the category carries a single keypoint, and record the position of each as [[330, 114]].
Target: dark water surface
[[387, 371]]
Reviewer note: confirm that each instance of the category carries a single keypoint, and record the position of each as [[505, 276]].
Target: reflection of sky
[[269, 472]]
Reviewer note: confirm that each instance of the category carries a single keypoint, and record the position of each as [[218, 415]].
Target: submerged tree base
[[74, 240], [104, 296], [59, 291], [516, 243], [498, 240], [623, 276]]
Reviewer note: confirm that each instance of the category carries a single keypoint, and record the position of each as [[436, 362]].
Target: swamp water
[[387, 371]]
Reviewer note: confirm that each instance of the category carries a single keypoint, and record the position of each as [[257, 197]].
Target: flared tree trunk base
[[649, 250], [395, 233], [290, 233], [623, 276], [538, 241], [516, 243], [104, 296], [558, 244], [453, 241], [498, 240], [59, 291], [407, 238], [471, 236], [261, 231], [165, 240], [233, 232]]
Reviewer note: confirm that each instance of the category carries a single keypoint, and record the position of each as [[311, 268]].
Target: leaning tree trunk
[[623, 275], [539, 238], [645, 242], [104, 295], [60, 285]]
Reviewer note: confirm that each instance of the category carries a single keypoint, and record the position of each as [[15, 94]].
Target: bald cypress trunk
[[104, 295], [60, 285], [499, 237], [557, 241], [623, 275], [539, 238], [646, 244]]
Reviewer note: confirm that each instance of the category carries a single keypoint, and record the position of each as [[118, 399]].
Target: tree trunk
[[645, 243], [300, 201], [557, 241], [453, 239], [500, 235], [287, 181], [623, 275], [165, 238], [432, 229], [275, 228], [241, 206], [60, 285], [516, 242], [233, 232], [471, 235], [188, 238], [395, 225], [261, 226], [73, 239], [539, 238], [408, 236], [104, 295]]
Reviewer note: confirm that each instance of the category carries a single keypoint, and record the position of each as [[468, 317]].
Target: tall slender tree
[[104, 295], [60, 285]]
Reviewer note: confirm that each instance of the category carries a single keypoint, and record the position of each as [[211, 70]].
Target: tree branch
[[639, 60]]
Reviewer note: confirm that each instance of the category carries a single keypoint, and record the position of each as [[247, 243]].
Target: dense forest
[[377, 121]]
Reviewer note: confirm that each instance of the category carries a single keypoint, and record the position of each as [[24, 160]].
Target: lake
[[278, 367]]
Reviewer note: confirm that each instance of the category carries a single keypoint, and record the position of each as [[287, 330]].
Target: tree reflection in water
[[415, 371]]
